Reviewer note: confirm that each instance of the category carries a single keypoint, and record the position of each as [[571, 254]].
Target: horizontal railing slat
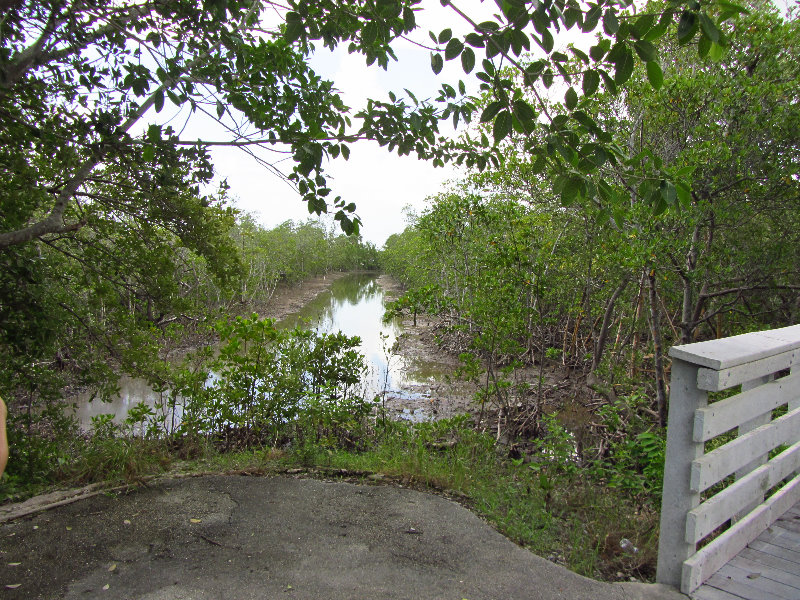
[[724, 415], [710, 558], [716, 381], [752, 360], [719, 508], [719, 463]]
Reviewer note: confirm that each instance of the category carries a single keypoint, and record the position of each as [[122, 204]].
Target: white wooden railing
[[750, 490]]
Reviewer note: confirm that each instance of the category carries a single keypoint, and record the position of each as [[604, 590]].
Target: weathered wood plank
[[707, 592], [718, 464], [789, 525], [738, 349], [712, 380], [782, 549], [761, 587], [724, 415], [741, 589], [770, 561], [711, 593], [754, 567], [709, 559], [779, 536], [719, 508]]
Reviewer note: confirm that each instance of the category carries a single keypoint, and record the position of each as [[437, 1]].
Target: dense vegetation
[[70, 325], [523, 271], [657, 203]]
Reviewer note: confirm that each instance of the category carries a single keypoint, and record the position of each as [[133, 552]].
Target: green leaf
[[220, 109], [684, 194], [580, 54], [148, 153], [703, 46], [591, 81], [524, 111], [624, 67], [445, 36], [610, 21], [710, 28], [475, 40], [655, 75], [716, 52], [646, 51], [502, 126], [572, 190], [668, 192], [732, 8], [592, 17], [687, 26], [643, 25], [655, 32], [409, 20], [610, 85], [454, 48], [491, 111], [294, 27], [437, 63], [467, 60], [598, 52], [571, 98], [547, 41], [158, 101]]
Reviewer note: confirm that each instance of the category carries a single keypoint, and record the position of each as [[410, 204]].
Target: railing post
[[677, 499]]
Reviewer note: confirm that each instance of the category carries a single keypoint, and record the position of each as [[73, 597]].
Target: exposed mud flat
[[444, 395], [440, 394]]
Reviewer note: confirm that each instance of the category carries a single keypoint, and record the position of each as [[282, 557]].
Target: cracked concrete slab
[[279, 537]]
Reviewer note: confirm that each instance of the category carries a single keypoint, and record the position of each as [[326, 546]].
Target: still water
[[355, 305]]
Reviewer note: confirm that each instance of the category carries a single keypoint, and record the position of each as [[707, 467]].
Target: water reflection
[[355, 305]]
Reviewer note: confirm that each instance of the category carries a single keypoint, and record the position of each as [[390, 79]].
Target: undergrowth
[[566, 514]]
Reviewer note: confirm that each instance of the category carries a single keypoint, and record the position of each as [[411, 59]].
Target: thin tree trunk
[[636, 316], [600, 345], [655, 329]]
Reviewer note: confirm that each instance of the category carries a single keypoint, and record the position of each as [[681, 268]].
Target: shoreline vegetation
[[540, 497]]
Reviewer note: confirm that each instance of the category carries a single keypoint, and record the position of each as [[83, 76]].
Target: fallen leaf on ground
[[13, 586], [112, 567], [126, 522], [195, 520], [14, 564], [106, 586]]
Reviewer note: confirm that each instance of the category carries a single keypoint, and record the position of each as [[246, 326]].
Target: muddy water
[[355, 305]]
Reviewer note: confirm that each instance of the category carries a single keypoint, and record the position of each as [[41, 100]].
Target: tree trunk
[[655, 329], [603, 335]]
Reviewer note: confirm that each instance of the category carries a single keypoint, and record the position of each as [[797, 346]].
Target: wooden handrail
[[732, 461]]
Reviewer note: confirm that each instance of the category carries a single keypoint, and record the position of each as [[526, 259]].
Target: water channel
[[355, 305]]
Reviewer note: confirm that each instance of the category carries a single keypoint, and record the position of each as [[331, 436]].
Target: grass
[[564, 515]]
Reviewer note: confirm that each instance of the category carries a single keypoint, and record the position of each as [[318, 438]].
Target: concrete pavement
[[243, 538]]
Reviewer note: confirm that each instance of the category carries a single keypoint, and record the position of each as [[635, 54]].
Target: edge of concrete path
[[57, 498]]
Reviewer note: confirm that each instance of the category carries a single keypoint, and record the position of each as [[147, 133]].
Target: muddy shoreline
[[439, 395]]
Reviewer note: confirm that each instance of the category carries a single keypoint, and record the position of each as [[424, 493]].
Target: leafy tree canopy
[[80, 83]]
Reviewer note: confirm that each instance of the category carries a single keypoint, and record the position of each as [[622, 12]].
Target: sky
[[380, 183]]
